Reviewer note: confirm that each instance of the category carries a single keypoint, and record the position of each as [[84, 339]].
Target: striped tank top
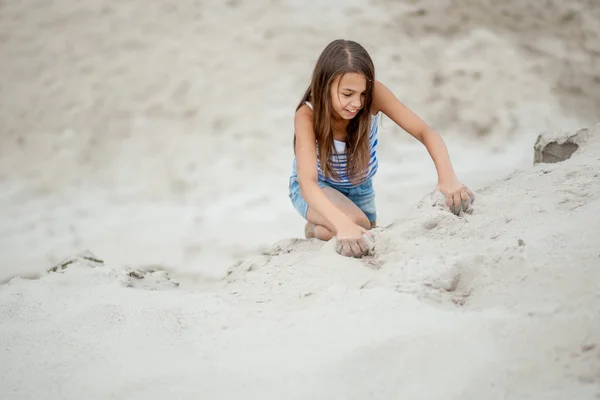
[[338, 160]]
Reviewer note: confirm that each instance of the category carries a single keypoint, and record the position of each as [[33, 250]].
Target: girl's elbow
[[426, 134], [306, 184]]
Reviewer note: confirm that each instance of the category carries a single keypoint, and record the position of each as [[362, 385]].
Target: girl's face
[[348, 94]]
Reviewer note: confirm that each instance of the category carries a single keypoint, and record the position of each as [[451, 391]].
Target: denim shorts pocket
[[365, 188]]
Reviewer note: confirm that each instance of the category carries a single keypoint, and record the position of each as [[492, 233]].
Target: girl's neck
[[340, 126], [340, 123]]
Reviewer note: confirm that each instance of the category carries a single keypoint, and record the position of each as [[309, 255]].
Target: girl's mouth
[[351, 111]]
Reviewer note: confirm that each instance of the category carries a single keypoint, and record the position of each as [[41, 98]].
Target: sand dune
[[500, 303]]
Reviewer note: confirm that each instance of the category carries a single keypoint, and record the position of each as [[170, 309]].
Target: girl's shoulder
[[305, 110], [376, 105]]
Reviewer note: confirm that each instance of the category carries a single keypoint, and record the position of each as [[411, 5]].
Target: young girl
[[331, 183]]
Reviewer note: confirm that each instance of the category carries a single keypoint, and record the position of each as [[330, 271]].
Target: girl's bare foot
[[317, 231], [309, 230]]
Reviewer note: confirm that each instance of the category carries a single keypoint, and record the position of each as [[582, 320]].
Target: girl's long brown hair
[[338, 58]]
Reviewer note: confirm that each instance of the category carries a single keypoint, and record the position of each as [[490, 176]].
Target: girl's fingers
[[471, 195], [456, 203], [464, 196], [364, 247], [341, 247], [347, 249], [449, 200], [356, 250], [466, 200], [352, 248]]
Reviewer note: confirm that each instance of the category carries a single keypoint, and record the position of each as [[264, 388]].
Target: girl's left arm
[[455, 192]]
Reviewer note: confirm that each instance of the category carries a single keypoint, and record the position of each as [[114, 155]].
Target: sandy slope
[[503, 303]]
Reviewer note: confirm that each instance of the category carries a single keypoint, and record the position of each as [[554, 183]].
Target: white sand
[[159, 138]]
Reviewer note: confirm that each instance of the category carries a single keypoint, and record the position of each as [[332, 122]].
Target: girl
[[331, 183]]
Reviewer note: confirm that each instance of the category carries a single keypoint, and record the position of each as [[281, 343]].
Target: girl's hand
[[350, 240], [458, 196]]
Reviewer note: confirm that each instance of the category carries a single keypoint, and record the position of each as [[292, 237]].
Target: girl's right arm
[[306, 167]]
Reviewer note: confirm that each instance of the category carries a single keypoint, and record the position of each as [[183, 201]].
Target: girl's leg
[[317, 231], [320, 228]]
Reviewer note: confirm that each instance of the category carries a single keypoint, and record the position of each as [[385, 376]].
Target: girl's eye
[[346, 94]]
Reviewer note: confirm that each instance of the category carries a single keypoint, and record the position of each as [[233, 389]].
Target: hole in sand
[[554, 152]]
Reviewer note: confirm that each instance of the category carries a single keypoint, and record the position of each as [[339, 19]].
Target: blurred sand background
[[159, 134]]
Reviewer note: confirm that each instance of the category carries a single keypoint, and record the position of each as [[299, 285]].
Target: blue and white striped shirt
[[338, 160]]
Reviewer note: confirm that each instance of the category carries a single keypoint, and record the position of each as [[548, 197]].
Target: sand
[[144, 158]]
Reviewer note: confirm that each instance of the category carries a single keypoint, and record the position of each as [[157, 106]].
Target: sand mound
[[503, 302]]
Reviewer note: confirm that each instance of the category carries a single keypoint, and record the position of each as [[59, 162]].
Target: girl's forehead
[[352, 81]]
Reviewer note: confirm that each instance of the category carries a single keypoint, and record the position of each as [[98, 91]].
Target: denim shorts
[[362, 195]]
